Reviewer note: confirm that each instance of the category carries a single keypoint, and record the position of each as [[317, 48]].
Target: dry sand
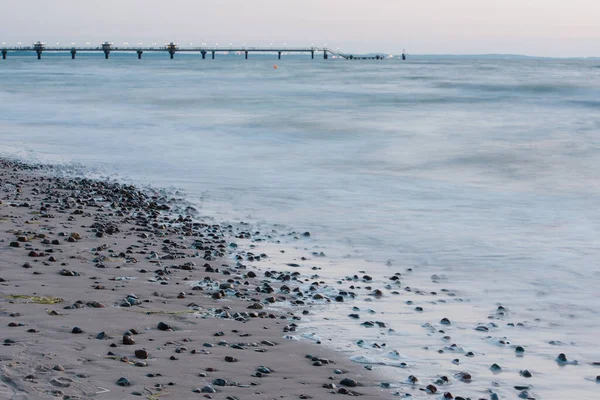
[[71, 252]]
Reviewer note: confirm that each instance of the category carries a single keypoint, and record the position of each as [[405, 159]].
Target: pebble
[[348, 382], [128, 340], [496, 368], [123, 382], [164, 327], [519, 349], [141, 354], [525, 373], [77, 329]]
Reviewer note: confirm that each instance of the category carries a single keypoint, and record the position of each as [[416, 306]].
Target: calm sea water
[[485, 173]]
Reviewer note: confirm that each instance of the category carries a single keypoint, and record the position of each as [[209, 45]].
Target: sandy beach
[[107, 293]]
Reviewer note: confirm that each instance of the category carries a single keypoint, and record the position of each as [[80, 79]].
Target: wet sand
[[108, 292]]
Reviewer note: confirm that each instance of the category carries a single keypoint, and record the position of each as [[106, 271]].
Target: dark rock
[[496, 368], [431, 389], [525, 373], [164, 327], [123, 382], [77, 329], [128, 340], [348, 382], [141, 354]]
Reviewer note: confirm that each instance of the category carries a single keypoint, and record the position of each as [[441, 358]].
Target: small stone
[[77, 329], [263, 370], [141, 353], [431, 389], [348, 382], [219, 382], [230, 359], [58, 367], [519, 349], [164, 327], [496, 368], [123, 382], [525, 373], [128, 340], [445, 321], [208, 389]]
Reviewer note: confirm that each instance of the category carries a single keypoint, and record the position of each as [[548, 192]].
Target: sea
[[476, 180]]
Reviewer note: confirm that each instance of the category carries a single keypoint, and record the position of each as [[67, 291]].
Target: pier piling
[[325, 55], [213, 55], [106, 47], [172, 47], [246, 54], [73, 52], [4, 53], [312, 54], [139, 54], [39, 48], [203, 54], [279, 55]]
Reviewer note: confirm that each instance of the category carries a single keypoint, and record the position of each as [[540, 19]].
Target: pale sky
[[533, 27]]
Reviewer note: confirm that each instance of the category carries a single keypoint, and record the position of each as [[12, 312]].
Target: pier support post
[[203, 54], [73, 52], [39, 47], [4, 52], [312, 55], [325, 56], [246, 54], [213, 55], [106, 46], [403, 57], [172, 54], [139, 53], [279, 55]]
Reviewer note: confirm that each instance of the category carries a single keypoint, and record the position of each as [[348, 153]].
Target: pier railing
[[39, 48]]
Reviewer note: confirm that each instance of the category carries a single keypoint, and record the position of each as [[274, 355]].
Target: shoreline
[[100, 282]]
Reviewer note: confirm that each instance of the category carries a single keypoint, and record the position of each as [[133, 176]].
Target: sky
[[532, 27]]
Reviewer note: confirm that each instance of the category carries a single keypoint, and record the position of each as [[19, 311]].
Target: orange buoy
[[275, 66]]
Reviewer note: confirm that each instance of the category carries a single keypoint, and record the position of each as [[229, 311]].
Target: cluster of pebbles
[[113, 292]]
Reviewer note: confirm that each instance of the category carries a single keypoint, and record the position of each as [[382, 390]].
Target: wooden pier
[[172, 48]]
